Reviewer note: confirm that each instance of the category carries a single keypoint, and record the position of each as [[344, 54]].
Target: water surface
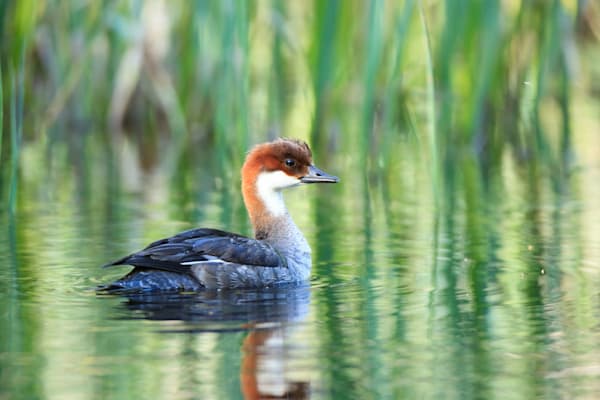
[[495, 295]]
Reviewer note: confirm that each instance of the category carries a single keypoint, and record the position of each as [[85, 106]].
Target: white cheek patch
[[276, 180], [269, 185]]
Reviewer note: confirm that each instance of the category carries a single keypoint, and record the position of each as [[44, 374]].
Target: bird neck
[[269, 216]]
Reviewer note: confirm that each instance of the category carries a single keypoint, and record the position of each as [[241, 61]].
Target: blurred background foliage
[[165, 82]]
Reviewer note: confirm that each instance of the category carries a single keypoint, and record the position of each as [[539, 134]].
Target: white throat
[[269, 186]]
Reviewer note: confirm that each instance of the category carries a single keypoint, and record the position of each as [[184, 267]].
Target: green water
[[496, 296]]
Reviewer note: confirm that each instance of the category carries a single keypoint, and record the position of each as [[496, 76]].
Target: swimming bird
[[206, 258]]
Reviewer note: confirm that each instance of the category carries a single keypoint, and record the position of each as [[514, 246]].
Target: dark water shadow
[[230, 309], [267, 318]]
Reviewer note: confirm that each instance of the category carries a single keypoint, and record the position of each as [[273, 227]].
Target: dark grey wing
[[179, 252]]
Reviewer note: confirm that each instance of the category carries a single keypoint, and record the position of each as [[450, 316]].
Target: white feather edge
[[208, 257]]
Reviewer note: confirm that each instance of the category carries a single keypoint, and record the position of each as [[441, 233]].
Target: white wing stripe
[[208, 259]]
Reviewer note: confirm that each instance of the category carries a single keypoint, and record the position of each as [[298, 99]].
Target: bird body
[[213, 259]]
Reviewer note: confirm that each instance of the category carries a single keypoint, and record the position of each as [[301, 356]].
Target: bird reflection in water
[[268, 315]]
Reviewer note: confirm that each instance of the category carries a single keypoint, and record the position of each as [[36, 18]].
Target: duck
[[206, 258]]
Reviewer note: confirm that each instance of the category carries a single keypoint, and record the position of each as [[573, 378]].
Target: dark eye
[[290, 162]]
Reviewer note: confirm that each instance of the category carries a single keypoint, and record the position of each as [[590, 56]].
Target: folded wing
[[196, 246]]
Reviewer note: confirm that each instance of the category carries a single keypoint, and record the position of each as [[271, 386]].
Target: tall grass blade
[[395, 111], [17, 85], [485, 65], [14, 148], [374, 43], [324, 35], [431, 109], [1, 113]]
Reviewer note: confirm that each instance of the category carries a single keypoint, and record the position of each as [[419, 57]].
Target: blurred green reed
[[1, 118], [459, 77], [16, 132]]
